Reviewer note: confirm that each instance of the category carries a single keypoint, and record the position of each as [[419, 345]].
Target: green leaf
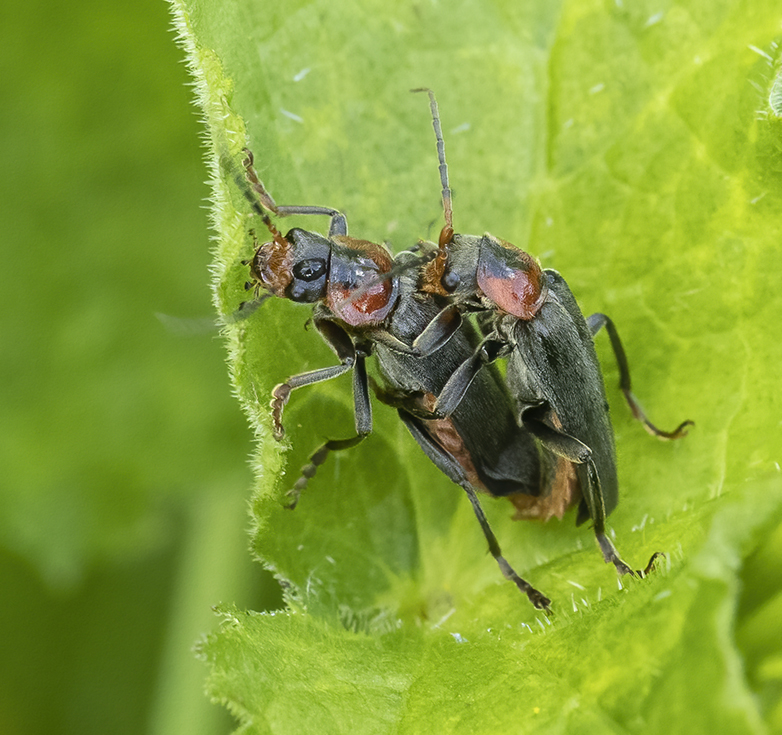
[[635, 150], [660, 658]]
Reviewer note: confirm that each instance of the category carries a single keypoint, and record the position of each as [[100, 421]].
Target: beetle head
[[295, 267], [483, 272], [488, 272]]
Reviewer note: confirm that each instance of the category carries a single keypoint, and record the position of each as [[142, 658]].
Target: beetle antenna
[[253, 190], [447, 232]]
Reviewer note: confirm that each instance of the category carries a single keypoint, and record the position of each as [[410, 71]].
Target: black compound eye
[[310, 269], [450, 281]]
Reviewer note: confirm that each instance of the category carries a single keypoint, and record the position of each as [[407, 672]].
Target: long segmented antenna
[[253, 190], [337, 226], [447, 232]]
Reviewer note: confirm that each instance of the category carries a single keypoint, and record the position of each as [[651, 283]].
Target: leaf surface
[[634, 150]]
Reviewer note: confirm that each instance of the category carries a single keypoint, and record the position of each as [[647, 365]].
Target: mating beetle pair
[[540, 436]]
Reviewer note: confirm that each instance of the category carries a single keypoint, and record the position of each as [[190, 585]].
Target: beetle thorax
[[357, 293], [510, 279]]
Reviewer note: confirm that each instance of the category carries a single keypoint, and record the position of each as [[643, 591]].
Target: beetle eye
[[450, 281], [310, 269]]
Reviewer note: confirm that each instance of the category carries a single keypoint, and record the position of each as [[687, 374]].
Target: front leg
[[342, 345], [317, 458], [435, 335], [456, 387], [338, 225]]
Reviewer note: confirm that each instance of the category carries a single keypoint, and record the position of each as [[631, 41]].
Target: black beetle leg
[[580, 454], [316, 460], [246, 309], [338, 225], [343, 347], [455, 389], [435, 335], [596, 322], [594, 499], [446, 463], [282, 392], [650, 566], [438, 331], [363, 416]]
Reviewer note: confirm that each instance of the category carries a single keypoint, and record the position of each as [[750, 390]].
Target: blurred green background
[[123, 478]]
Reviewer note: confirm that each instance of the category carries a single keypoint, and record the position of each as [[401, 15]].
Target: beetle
[[365, 303], [530, 317]]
